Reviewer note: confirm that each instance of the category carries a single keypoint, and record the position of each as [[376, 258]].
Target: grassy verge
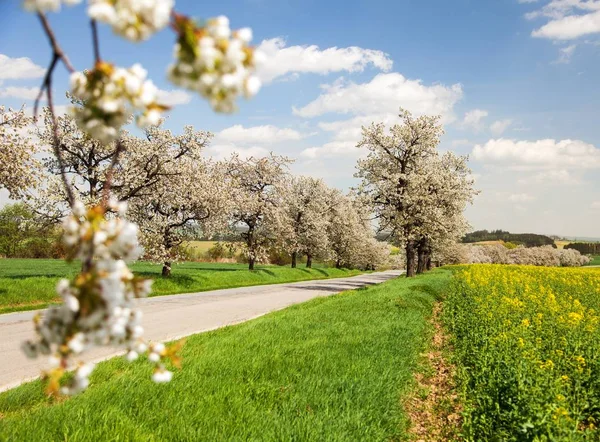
[[332, 369], [595, 261], [527, 350], [27, 284]]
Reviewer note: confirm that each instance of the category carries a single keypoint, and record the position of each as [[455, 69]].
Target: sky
[[515, 82]]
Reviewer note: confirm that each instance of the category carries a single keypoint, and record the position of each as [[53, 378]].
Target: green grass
[[27, 284], [333, 369], [595, 261]]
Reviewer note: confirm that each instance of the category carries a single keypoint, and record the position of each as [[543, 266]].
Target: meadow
[[27, 284], [334, 368], [527, 349]]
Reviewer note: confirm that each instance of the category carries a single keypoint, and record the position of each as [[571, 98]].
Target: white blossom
[[161, 376], [110, 96], [47, 5], [133, 19], [215, 62]]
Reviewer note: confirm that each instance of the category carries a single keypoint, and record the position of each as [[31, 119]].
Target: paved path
[[174, 316]]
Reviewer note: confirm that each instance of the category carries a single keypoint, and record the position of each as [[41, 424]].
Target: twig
[[95, 40], [57, 54], [56, 146]]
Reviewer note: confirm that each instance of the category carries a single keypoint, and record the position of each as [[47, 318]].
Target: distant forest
[[585, 248], [526, 239]]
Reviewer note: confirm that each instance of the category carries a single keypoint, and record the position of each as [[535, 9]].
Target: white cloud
[[520, 197], [565, 54], [551, 177], [569, 19], [222, 151], [333, 149], [385, 93], [18, 68], [498, 127], [267, 134], [540, 154], [474, 119], [25, 93], [173, 97], [288, 61], [595, 205]]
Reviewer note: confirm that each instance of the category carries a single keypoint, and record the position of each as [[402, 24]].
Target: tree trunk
[[410, 259], [166, 270], [308, 261], [338, 264], [428, 263], [422, 249], [294, 259], [251, 262]]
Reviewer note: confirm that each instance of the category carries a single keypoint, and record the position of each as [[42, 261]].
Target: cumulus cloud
[[540, 154], [251, 141], [267, 134], [333, 149], [18, 68], [498, 127], [173, 97], [25, 93], [222, 151], [385, 93], [568, 19], [552, 177], [474, 119], [286, 62]]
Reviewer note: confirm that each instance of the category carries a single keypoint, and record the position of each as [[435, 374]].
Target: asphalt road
[[174, 316]]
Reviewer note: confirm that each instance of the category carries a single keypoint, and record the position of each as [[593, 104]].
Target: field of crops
[[527, 348]]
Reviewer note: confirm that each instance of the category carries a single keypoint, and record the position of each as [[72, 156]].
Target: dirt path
[[174, 316]]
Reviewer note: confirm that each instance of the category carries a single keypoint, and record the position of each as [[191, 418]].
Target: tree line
[[408, 189], [175, 194], [526, 239], [585, 248]]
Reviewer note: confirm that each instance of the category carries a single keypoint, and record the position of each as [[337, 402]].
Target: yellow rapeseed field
[[527, 346]]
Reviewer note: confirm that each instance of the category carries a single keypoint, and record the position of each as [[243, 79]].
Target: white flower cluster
[[97, 306], [215, 62], [110, 96], [47, 5], [133, 19]]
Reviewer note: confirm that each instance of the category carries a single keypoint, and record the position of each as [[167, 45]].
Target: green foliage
[[221, 250], [526, 345], [510, 245], [585, 248], [23, 236], [334, 369], [27, 284], [526, 239]]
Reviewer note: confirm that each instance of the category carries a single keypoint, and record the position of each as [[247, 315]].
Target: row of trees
[[586, 248], [526, 239], [547, 256], [174, 193], [417, 193]]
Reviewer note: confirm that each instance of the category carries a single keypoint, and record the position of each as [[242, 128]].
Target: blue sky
[[515, 82]]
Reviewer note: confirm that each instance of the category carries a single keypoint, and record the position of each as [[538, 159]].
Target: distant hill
[[526, 239]]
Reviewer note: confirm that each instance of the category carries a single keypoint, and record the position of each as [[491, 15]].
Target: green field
[[334, 369], [29, 283], [595, 261]]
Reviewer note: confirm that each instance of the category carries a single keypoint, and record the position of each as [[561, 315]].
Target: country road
[[174, 316]]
